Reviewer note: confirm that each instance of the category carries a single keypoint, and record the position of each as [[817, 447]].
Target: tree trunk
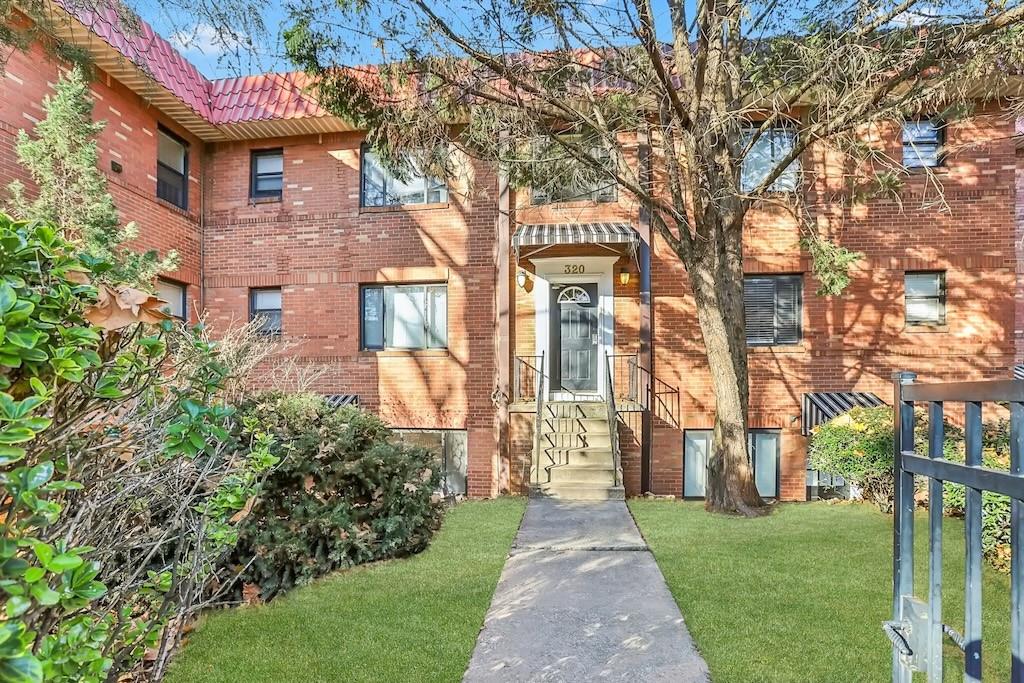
[[716, 277]]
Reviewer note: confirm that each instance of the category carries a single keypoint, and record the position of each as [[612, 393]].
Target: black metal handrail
[[527, 377], [630, 381], [538, 419]]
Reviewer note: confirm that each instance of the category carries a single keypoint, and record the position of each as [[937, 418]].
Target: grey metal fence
[[917, 630]]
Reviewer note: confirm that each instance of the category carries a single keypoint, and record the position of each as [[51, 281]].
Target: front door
[[574, 334]]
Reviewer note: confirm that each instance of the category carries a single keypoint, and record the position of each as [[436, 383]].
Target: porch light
[[521, 279], [624, 277]]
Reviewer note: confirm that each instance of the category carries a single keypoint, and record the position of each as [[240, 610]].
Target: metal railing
[[613, 421], [527, 377], [539, 417], [917, 629], [634, 383]]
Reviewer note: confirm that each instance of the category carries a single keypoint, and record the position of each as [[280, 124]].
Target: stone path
[[581, 599]]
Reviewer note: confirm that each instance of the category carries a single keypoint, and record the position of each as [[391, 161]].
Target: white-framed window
[[696, 451], [175, 294], [925, 297], [265, 306], [404, 316], [774, 309], [596, 190], [771, 148], [922, 143], [382, 187]]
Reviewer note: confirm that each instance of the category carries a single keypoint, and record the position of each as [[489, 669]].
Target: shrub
[[859, 446], [344, 493]]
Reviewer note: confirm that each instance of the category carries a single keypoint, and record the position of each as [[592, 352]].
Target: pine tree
[[62, 160]]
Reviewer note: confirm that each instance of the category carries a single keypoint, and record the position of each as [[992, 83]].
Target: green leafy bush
[[859, 447], [344, 493]]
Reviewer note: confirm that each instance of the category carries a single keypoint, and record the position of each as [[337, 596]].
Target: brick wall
[[319, 246], [129, 139]]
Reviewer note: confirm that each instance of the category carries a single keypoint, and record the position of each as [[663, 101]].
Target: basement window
[[449, 446], [763, 449], [172, 168]]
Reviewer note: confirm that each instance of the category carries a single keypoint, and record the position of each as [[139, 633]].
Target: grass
[[801, 595], [413, 619]]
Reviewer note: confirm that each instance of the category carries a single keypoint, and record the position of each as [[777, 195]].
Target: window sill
[[925, 328], [403, 207], [174, 207], [777, 348], [406, 353], [921, 171], [265, 200]]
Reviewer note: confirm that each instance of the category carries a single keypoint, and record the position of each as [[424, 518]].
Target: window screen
[[172, 169], [267, 173], [404, 316], [265, 306], [925, 298], [174, 294]]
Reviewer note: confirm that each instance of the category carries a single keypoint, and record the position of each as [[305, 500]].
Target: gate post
[[903, 513]]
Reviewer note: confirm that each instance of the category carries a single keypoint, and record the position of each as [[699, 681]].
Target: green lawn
[[801, 595], [413, 619]]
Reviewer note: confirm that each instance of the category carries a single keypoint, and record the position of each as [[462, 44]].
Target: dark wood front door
[[574, 332]]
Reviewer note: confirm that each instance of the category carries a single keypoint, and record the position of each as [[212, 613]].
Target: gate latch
[[911, 635]]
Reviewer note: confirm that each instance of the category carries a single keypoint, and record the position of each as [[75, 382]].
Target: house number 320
[[574, 269]]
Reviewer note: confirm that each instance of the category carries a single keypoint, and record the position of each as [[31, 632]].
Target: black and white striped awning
[[822, 406], [550, 234]]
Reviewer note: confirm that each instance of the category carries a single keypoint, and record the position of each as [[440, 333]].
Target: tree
[[63, 162], [563, 92]]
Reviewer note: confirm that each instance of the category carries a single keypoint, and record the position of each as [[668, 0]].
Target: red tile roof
[[262, 97]]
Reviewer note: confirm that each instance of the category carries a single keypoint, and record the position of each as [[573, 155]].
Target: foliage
[[400, 603], [343, 494], [831, 263], [122, 482], [859, 447], [63, 161]]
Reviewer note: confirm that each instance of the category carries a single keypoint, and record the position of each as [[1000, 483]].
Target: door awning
[[822, 406], [551, 234]]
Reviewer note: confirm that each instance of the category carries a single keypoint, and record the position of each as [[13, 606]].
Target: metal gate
[[917, 630]]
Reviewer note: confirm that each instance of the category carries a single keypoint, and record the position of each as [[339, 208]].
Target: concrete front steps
[[577, 437]]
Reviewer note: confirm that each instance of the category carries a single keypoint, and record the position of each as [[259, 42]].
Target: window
[[770, 149], [381, 187], [925, 298], [696, 449], [174, 294], [265, 306], [449, 445], [922, 143], [405, 317], [266, 173], [762, 449], [774, 309], [597, 190], [172, 168]]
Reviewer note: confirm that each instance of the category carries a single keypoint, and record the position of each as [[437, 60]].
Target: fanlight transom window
[[573, 295]]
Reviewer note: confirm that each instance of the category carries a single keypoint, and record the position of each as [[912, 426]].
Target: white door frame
[[599, 269]]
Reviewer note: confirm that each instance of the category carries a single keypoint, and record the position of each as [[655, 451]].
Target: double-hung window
[[174, 294], [770, 149], [922, 143], [925, 298], [383, 187], [172, 168], [266, 177], [265, 308], [404, 316], [774, 309]]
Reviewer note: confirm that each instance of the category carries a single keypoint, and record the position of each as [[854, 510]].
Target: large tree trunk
[[716, 277]]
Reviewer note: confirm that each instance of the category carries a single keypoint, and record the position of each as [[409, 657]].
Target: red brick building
[[433, 305]]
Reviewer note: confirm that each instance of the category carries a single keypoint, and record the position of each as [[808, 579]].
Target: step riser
[[566, 441], [569, 426], [577, 492], [593, 410], [580, 475]]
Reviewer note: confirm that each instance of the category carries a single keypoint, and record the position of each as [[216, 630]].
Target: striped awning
[[822, 406], [548, 234]]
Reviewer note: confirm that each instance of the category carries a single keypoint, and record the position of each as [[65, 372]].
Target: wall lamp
[[522, 278], [624, 277]]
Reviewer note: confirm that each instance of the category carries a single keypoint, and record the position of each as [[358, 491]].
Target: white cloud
[[205, 39]]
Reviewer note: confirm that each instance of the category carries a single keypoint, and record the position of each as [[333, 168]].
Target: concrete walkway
[[581, 599]]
